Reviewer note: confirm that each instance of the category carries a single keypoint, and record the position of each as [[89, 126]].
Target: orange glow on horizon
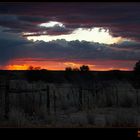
[[25, 67], [17, 67], [23, 64]]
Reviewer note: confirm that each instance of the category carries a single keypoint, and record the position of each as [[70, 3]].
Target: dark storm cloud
[[121, 18], [11, 46], [128, 45], [80, 50], [33, 19], [57, 30], [14, 46], [30, 24], [13, 22]]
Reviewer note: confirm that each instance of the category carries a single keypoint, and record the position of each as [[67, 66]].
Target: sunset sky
[[104, 36]]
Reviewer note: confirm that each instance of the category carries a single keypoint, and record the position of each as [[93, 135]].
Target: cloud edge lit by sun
[[94, 34]]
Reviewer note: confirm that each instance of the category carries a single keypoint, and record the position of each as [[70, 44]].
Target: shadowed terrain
[[41, 98]]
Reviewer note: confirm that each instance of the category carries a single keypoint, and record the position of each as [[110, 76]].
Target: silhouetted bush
[[34, 68], [84, 68], [137, 68], [71, 69], [136, 76], [76, 69], [68, 69]]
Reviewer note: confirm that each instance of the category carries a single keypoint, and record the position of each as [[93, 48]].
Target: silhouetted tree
[[76, 69], [136, 80], [30, 68], [137, 75], [137, 68], [71, 69], [68, 69], [37, 68], [34, 68], [84, 68]]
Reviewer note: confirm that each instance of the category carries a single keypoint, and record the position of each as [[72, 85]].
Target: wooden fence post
[[48, 99], [117, 97], [40, 99], [54, 100], [137, 96], [80, 98], [7, 109]]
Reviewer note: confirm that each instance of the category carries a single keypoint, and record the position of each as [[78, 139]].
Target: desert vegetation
[[70, 98]]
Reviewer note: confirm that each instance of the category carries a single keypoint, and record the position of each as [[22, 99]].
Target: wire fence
[[53, 98]]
